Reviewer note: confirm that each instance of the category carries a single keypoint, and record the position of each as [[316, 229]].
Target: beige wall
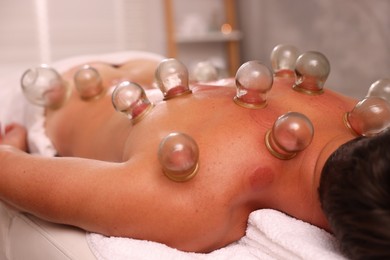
[[353, 34], [43, 31]]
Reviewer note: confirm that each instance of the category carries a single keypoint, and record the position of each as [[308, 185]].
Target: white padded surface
[[26, 237]]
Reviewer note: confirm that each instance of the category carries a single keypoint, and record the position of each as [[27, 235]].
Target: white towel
[[270, 235]]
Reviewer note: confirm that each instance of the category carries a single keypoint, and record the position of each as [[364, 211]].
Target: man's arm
[[55, 189], [132, 199], [64, 190]]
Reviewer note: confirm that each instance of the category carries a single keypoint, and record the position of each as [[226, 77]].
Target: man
[[108, 178]]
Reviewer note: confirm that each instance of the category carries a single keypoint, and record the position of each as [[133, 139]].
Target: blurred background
[[353, 34]]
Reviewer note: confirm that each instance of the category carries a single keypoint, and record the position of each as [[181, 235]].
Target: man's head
[[355, 196]]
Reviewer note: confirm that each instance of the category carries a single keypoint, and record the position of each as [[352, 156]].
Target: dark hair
[[355, 196]]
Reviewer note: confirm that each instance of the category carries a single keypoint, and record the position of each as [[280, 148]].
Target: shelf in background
[[221, 43], [215, 36]]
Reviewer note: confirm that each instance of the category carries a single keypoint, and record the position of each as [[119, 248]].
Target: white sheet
[[270, 234]]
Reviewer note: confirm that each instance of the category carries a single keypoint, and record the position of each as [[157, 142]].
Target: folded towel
[[270, 235]]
